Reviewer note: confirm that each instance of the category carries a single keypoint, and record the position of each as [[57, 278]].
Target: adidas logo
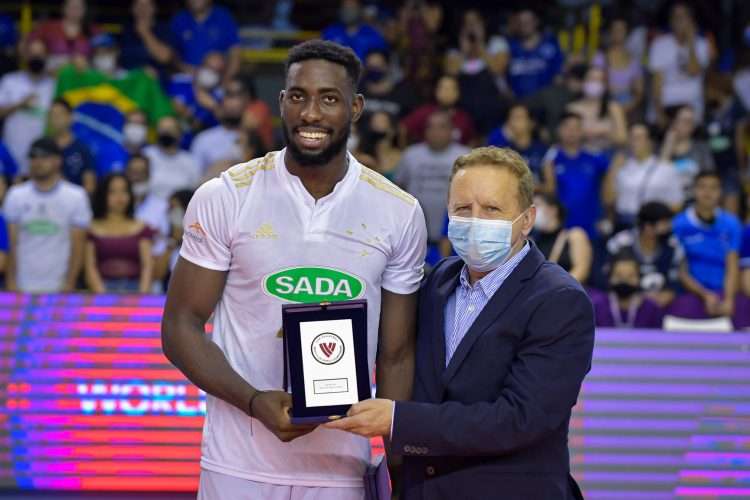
[[265, 231]]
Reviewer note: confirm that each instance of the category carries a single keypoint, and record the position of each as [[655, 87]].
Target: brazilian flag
[[100, 105]]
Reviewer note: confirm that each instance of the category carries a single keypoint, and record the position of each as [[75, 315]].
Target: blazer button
[[430, 470]]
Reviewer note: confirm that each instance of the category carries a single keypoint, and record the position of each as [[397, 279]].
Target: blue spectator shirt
[[707, 245], [193, 40], [77, 159], [579, 182], [362, 42], [180, 88], [745, 249], [8, 165], [531, 70], [533, 154]]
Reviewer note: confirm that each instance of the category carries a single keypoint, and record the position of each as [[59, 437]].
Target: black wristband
[[250, 403]]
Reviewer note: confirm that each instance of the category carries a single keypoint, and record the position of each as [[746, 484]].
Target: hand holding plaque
[[326, 355]]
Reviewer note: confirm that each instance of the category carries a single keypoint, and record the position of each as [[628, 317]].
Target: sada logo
[[313, 284], [327, 348]]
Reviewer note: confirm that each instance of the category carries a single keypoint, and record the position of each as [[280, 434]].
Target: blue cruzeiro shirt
[[467, 301]]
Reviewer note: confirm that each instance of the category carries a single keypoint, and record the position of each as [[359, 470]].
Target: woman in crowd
[[638, 177], [682, 148], [568, 247], [604, 123], [624, 72], [118, 252], [377, 144], [67, 39]]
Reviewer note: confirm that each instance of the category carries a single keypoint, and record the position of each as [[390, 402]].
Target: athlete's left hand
[[369, 418]]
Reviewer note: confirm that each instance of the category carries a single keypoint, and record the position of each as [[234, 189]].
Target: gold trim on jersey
[[242, 174], [379, 182]]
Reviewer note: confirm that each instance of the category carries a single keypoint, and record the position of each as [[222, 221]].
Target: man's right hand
[[272, 409]]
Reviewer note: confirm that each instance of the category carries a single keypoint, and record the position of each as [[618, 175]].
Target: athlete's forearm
[[202, 361]]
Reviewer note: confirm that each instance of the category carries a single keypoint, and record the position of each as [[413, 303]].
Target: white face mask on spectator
[[106, 63], [134, 134], [207, 78], [593, 89]]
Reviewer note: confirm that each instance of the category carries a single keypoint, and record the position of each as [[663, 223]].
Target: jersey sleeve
[[208, 228], [405, 267]]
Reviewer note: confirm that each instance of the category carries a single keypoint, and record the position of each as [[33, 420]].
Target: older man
[[504, 342]]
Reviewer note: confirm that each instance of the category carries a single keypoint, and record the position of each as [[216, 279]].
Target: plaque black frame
[[294, 314]]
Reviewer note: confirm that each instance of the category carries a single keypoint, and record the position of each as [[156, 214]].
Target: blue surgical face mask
[[483, 244]]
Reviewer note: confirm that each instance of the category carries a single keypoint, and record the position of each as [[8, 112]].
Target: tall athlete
[[308, 223]]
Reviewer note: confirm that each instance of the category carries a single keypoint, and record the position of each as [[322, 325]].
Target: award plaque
[[325, 357]]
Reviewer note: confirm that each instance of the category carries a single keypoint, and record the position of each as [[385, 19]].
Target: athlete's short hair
[[501, 158], [327, 51]]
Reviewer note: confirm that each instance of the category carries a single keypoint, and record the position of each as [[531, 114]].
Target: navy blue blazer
[[494, 422]]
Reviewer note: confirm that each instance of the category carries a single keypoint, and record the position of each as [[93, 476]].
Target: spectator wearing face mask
[[25, 98], [678, 61], [570, 248], [118, 251], [172, 168], [625, 305], [382, 92], [712, 240], [684, 150], [638, 177], [105, 54], [143, 41], [604, 123], [151, 210], [67, 38], [135, 132], [657, 250], [518, 134], [447, 96], [377, 144], [351, 32], [196, 97], [220, 142]]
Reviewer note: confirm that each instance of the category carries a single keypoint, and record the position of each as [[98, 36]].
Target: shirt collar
[[490, 283]]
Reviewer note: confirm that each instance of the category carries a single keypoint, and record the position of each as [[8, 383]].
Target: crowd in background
[[639, 149]]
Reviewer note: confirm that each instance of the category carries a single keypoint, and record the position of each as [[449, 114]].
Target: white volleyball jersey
[[279, 245]]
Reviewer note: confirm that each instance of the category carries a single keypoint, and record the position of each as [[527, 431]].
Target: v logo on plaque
[[325, 356]]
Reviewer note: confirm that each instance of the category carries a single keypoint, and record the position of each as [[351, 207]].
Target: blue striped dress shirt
[[467, 301]]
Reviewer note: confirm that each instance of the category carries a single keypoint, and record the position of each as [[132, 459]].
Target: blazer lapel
[[494, 308], [443, 290]]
